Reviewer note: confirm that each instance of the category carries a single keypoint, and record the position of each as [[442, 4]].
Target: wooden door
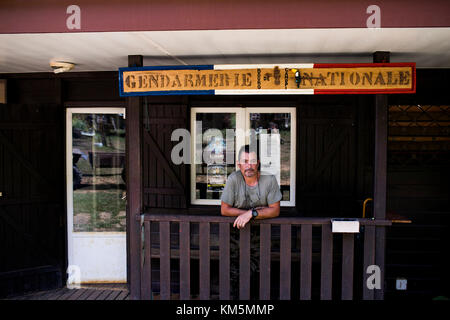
[[164, 182], [32, 199], [327, 159]]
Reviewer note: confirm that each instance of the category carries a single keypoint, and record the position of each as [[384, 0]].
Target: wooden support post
[[134, 187], [380, 173]]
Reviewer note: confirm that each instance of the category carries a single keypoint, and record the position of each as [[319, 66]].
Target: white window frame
[[240, 141], [243, 122]]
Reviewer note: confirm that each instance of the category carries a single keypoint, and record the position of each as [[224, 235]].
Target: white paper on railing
[[344, 225]]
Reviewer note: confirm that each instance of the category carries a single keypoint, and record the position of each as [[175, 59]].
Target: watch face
[[254, 213]]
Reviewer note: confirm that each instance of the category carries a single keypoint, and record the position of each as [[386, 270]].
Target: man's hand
[[242, 219]]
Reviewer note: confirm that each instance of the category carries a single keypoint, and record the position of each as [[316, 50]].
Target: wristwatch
[[254, 213]]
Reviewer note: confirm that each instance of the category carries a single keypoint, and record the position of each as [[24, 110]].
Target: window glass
[[215, 134], [273, 131], [98, 147]]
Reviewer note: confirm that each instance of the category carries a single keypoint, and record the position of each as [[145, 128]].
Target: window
[[217, 134]]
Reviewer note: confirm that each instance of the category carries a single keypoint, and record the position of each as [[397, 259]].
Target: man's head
[[248, 161]]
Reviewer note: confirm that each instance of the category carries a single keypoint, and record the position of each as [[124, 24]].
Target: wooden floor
[[84, 292]]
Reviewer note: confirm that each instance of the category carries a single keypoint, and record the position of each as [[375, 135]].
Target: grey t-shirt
[[240, 195]]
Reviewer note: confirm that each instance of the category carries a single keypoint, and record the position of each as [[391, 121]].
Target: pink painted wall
[[41, 16]]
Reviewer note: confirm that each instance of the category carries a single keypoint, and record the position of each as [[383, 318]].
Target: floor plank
[[113, 295], [85, 295], [123, 294], [95, 295], [117, 291], [104, 295], [66, 295], [77, 294]]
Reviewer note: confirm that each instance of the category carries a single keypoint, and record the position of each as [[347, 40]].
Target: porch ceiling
[[101, 51]]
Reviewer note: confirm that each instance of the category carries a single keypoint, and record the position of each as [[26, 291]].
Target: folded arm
[[244, 216]]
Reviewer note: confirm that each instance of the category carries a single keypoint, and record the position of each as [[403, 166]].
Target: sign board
[[370, 78]]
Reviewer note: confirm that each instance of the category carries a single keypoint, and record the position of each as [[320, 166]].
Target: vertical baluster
[[185, 263], [305, 262], [204, 261], [380, 257], [146, 282], [224, 261], [285, 262], [347, 266], [264, 262], [244, 263], [369, 259], [326, 278], [164, 253]]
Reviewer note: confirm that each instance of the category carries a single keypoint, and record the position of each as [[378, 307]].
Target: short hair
[[246, 148]]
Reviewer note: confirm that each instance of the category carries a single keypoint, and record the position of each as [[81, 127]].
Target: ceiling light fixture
[[61, 66]]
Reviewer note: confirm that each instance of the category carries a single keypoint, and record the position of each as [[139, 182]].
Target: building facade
[[90, 190]]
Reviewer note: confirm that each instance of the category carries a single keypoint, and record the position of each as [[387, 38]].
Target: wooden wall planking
[[32, 173]]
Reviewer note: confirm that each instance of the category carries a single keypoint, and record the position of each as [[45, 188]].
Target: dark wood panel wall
[[334, 150], [32, 173], [419, 190]]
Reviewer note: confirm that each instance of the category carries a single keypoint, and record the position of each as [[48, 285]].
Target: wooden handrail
[[279, 220]]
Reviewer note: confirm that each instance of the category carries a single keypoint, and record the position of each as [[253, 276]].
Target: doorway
[[96, 195]]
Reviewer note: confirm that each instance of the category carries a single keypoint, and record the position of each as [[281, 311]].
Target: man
[[248, 194]]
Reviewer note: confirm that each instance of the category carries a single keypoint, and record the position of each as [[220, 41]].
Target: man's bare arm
[[244, 216], [272, 211], [229, 211]]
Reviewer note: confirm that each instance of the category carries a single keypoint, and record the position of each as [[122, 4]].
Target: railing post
[[347, 265], [244, 263], [146, 268], [305, 261], [369, 259], [326, 278], [285, 262], [264, 262], [185, 263], [204, 261], [164, 256], [224, 261]]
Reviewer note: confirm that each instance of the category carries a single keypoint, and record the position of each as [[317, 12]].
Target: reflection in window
[[273, 131], [217, 136], [98, 172]]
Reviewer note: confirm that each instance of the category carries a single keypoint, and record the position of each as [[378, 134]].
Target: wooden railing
[[304, 256]]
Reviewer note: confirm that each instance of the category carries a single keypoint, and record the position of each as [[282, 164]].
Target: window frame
[[242, 121]]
